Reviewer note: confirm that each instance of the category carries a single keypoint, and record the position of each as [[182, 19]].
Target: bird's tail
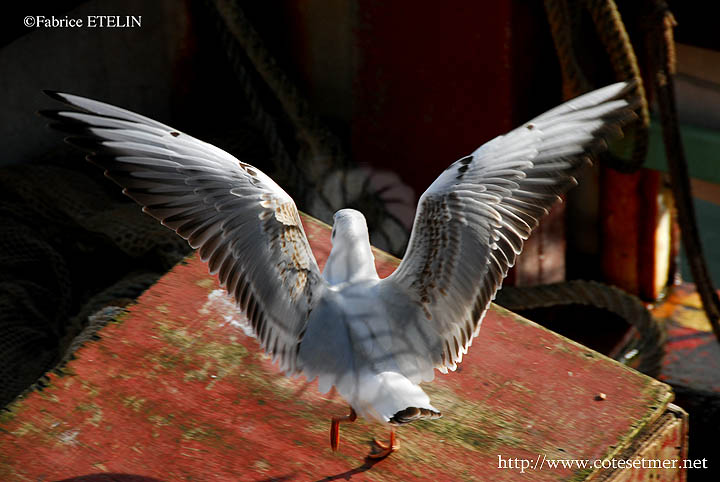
[[392, 398]]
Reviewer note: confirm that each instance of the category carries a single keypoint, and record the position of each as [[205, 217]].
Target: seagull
[[375, 340]]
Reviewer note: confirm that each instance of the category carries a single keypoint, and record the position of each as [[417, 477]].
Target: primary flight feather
[[373, 339]]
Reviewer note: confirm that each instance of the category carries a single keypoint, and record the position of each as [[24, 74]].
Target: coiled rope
[[644, 353]]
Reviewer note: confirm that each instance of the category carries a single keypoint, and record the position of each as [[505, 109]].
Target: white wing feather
[[472, 222], [470, 225], [244, 225]]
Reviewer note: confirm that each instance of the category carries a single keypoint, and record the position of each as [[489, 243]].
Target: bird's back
[[348, 344]]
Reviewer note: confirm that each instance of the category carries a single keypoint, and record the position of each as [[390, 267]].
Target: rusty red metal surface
[[662, 444], [635, 259], [692, 368], [174, 390]]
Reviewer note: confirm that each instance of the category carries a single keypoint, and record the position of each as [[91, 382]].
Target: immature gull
[[373, 339]]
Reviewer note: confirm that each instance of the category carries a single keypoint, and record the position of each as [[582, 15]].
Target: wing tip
[[52, 114], [56, 95], [84, 143]]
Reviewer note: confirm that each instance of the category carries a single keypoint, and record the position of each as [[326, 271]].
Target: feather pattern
[[373, 339], [243, 224], [471, 224]]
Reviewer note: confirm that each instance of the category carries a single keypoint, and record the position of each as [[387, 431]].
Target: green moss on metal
[[162, 421], [200, 375], [564, 347], [260, 384], [223, 359], [95, 411], [489, 430], [6, 416], [459, 433], [51, 397], [163, 361], [662, 395], [207, 283], [134, 403], [226, 356], [177, 337], [120, 317], [9, 473], [199, 433], [27, 428], [85, 407], [90, 388], [505, 312], [262, 465], [580, 475], [96, 418], [64, 371]]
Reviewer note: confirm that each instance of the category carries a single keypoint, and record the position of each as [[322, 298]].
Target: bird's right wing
[[472, 222], [244, 225]]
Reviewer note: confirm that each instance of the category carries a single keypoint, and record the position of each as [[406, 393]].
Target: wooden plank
[[175, 390]]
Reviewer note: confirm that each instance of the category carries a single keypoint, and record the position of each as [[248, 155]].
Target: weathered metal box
[[175, 390]]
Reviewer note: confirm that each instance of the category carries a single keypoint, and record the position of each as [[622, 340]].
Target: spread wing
[[472, 221], [243, 224]]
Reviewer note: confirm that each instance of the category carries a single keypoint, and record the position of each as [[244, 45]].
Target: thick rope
[[565, 18], [660, 44], [650, 347]]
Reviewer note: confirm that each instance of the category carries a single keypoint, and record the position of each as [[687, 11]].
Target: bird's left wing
[[472, 221], [244, 225]]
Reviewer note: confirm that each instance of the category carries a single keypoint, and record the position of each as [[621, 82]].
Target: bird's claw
[[386, 448]]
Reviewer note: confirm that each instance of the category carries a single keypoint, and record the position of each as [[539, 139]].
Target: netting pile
[[69, 246]]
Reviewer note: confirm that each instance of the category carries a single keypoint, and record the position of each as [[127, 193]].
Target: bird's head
[[351, 257], [349, 225]]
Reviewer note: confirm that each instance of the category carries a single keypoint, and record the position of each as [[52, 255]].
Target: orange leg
[[386, 448], [335, 428]]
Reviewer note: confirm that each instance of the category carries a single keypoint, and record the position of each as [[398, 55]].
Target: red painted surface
[[436, 81], [630, 256], [692, 367], [619, 209], [692, 357], [174, 391], [432, 84], [415, 87], [671, 435]]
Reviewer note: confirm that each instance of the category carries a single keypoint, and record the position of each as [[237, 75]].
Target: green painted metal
[[702, 149]]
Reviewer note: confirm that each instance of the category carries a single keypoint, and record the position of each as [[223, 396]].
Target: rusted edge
[[647, 436]]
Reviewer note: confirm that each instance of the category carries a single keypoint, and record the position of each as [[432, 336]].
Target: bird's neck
[[349, 263]]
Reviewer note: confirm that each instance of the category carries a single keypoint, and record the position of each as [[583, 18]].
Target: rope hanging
[[565, 18], [661, 49], [566, 24]]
